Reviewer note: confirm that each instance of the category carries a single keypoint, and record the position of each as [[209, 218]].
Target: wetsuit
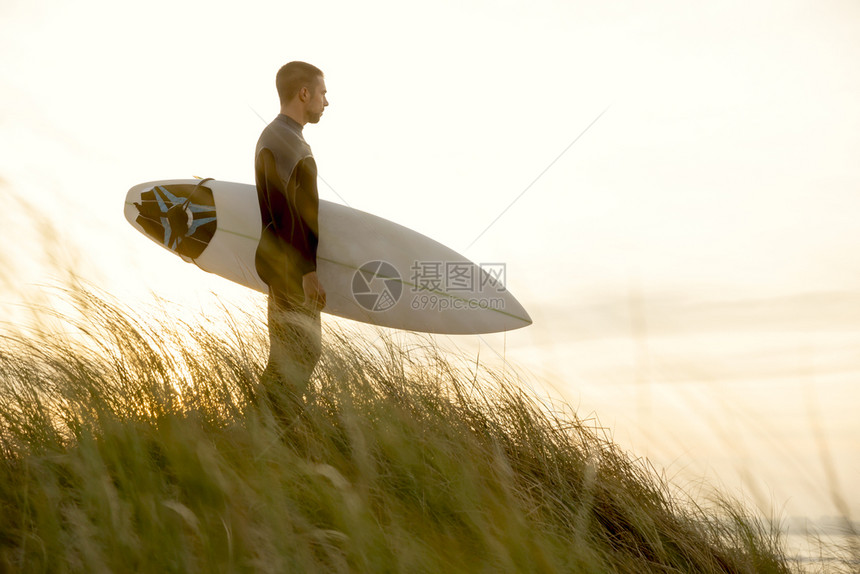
[[286, 175]]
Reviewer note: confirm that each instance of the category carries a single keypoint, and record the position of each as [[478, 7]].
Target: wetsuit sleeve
[[288, 207], [307, 204]]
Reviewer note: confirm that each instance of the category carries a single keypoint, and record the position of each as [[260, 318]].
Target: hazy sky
[[699, 241]]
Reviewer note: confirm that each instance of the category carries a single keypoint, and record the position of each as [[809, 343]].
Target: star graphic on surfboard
[[181, 217]]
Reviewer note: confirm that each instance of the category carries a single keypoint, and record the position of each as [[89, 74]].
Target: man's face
[[317, 102]]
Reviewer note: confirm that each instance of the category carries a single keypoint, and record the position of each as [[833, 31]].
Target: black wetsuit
[[286, 178], [286, 175]]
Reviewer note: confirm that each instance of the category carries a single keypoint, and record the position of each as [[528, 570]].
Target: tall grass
[[130, 444]]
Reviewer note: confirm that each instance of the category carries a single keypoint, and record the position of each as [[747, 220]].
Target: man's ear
[[304, 94]]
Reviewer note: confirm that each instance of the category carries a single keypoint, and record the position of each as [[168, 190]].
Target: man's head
[[302, 91]]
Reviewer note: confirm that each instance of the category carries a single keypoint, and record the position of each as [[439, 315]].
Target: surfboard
[[373, 270]]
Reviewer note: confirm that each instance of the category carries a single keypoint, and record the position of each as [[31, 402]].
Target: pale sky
[[696, 249]]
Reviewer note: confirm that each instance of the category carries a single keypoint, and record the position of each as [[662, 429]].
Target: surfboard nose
[[519, 317], [526, 318]]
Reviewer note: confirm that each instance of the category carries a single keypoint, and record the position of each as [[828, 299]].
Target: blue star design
[[166, 200]]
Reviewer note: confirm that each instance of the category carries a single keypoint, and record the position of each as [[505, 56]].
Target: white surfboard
[[373, 270]]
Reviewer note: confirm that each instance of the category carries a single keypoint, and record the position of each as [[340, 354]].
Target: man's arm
[[307, 238], [306, 201]]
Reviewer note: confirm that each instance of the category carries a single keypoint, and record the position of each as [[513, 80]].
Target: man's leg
[[295, 347]]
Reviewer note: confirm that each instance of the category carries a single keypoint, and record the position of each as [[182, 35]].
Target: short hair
[[292, 77]]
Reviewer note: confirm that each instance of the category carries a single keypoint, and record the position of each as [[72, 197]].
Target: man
[[286, 175]]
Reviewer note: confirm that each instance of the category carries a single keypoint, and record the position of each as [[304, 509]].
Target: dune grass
[[130, 444]]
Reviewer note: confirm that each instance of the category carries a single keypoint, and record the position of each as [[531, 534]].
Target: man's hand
[[314, 292]]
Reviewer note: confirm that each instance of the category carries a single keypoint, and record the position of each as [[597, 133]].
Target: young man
[[286, 175]]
